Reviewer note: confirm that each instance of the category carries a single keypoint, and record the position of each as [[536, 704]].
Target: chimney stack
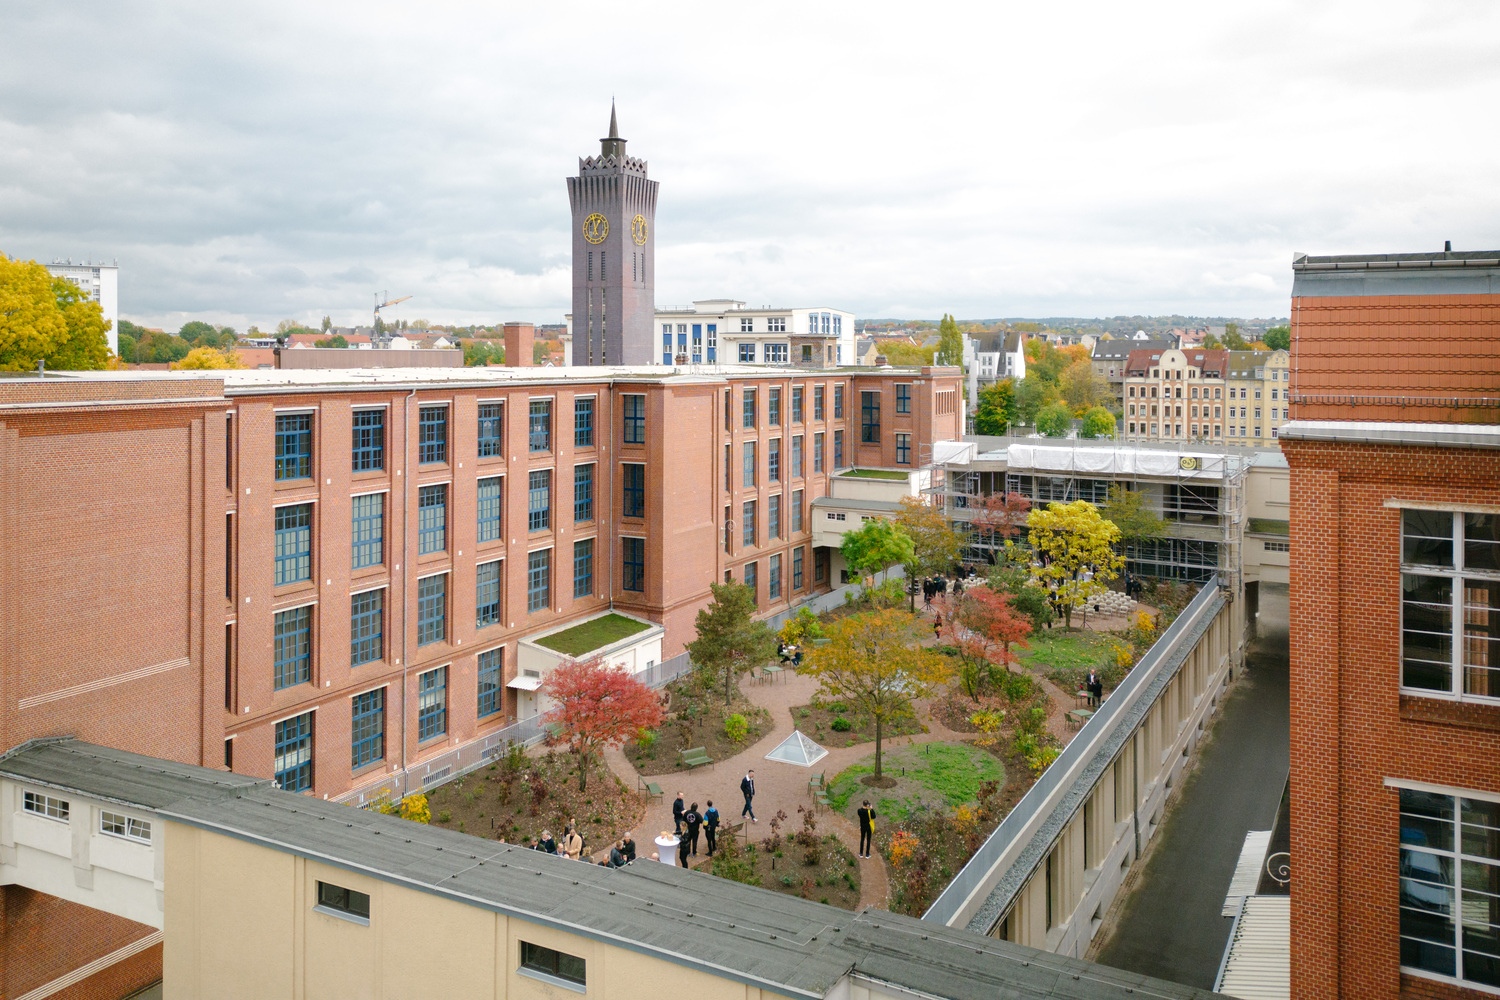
[[518, 338]]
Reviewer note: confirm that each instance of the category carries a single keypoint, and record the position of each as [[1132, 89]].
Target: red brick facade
[[1353, 730], [138, 569], [44, 938]]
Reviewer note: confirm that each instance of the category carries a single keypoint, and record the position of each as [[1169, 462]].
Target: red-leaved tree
[[999, 517], [981, 624], [598, 706]]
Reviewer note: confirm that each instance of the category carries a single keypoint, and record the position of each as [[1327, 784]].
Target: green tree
[[950, 348], [1232, 339], [1033, 394], [1054, 420], [1076, 548], [1097, 423], [1210, 342], [1279, 338], [209, 358], [1082, 387], [1126, 509], [195, 330], [801, 628], [336, 341], [874, 546], [477, 354], [49, 319], [327, 323], [539, 353], [876, 663], [934, 543], [730, 640], [997, 408]]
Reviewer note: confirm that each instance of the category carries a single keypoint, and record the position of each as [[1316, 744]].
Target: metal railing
[[1069, 765], [477, 753]]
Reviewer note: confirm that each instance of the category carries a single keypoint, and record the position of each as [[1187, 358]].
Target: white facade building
[[726, 331], [101, 283], [992, 358]]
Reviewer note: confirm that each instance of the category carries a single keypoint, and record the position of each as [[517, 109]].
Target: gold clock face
[[595, 228], [638, 230]]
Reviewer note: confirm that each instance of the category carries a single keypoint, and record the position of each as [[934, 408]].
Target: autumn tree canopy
[[983, 626], [1076, 548], [875, 545], [597, 706], [49, 319], [876, 663], [730, 639], [934, 544]]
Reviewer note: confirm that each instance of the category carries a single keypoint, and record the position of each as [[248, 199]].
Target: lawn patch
[[835, 725], [591, 635], [891, 474], [930, 776]]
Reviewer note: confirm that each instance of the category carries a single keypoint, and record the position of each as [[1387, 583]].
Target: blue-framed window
[[773, 461], [293, 445], [747, 354], [869, 417], [797, 455], [583, 568], [747, 414], [773, 516], [796, 511], [432, 609], [634, 422], [773, 406], [796, 404], [838, 449], [713, 342], [491, 691], [773, 579], [293, 543], [817, 402], [583, 421], [366, 627], [747, 472], [292, 647], [491, 430], [539, 500], [539, 425], [367, 734], [369, 440], [747, 519], [633, 487], [432, 519], [903, 397], [432, 434], [432, 704], [294, 753], [797, 569], [776, 354], [697, 343], [490, 493], [666, 343], [583, 492], [838, 402], [538, 580], [903, 449], [752, 582], [368, 530], [818, 452], [633, 566], [487, 594]]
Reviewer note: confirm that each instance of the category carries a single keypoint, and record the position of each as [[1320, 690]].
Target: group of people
[[791, 656], [621, 853], [689, 823]]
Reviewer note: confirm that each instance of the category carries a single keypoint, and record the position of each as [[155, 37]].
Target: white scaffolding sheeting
[[1122, 462]]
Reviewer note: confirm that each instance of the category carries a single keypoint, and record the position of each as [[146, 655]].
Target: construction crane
[[381, 305]]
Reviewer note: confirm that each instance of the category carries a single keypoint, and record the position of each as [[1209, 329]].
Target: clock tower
[[614, 256]]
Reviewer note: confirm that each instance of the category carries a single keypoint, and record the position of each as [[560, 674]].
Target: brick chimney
[[518, 344]]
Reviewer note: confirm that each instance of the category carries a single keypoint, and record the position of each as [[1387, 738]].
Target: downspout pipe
[[405, 574]]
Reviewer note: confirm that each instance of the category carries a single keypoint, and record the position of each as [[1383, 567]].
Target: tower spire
[[612, 144]]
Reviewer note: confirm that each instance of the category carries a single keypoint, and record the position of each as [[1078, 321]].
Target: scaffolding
[[1200, 493]]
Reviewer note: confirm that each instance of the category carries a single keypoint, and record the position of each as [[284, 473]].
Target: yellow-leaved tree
[[875, 662], [49, 319], [935, 546], [210, 358], [1075, 546]]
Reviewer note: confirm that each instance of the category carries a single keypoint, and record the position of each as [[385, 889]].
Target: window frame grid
[[293, 446], [583, 492], [633, 490], [490, 507], [432, 519], [289, 560], [539, 426], [367, 530], [491, 430], [432, 597], [538, 580], [367, 740], [291, 657], [583, 421], [367, 453], [487, 592], [1461, 635], [583, 568], [539, 500], [286, 739], [432, 434], [632, 564], [490, 669], [432, 704], [633, 418], [367, 627]]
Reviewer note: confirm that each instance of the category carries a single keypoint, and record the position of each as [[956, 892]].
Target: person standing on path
[[547, 845], [866, 828], [711, 825], [1095, 688], [692, 821], [747, 789], [677, 809], [572, 844], [627, 847]]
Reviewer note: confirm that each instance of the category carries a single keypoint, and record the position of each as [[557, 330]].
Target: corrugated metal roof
[[1258, 962]]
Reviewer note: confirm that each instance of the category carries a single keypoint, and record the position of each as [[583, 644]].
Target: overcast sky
[[252, 162]]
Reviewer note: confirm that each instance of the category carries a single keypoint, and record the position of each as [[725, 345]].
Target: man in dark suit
[[627, 847], [866, 828], [678, 807], [747, 789]]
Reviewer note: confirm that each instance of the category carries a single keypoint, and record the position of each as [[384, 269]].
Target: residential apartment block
[[726, 331], [992, 358], [327, 577], [100, 283], [1259, 384], [1394, 452], [1109, 358], [1175, 395]]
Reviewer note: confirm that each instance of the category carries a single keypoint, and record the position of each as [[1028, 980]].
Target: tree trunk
[[728, 673], [877, 746], [583, 770]]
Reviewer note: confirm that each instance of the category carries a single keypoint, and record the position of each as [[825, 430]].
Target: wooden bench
[[650, 788], [695, 757]]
